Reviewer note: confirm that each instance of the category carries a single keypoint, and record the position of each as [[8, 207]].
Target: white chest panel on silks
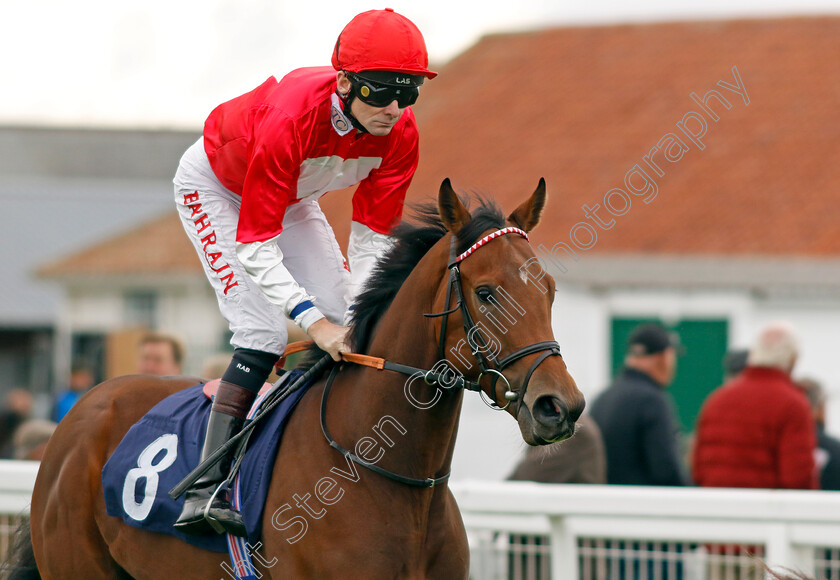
[[319, 175], [322, 174]]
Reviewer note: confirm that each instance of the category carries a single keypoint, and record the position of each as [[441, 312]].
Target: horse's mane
[[412, 240]]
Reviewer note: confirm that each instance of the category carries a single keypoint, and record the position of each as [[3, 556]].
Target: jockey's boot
[[230, 407]]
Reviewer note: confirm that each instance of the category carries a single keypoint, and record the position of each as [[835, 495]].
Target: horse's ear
[[527, 215], [452, 212]]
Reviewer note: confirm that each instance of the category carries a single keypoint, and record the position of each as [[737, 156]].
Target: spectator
[[734, 362], [581, 459], [828, 448], [635, 416], [81, 380], [160, 355], [757, 429], [17, 408], [31, 439]]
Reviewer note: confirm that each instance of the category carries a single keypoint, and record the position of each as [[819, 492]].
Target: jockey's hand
[[330, 337]]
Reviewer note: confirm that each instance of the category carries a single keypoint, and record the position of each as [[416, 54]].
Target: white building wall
[[489, 443], [93, 309], [191, 312], [185, 308], [581, 326], [817, 323], [582, 319]]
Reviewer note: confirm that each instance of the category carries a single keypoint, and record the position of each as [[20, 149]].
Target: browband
[[487, 238]]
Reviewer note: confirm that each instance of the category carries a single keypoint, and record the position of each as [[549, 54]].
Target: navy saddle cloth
[[165, 445]]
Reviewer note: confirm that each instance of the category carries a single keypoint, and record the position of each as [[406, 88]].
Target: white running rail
[[594, 532], [530, 531]]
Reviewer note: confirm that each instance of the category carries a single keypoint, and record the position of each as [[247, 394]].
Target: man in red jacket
[[757, 430]]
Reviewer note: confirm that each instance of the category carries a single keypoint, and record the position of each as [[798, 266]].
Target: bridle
[[547, 348]]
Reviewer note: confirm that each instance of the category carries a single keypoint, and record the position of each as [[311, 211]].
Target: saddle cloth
[[165, 445]]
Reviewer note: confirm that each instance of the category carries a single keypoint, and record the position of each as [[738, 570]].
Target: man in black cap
[[635, 416]]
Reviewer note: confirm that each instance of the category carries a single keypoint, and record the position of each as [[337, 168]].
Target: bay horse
[[452, 285]]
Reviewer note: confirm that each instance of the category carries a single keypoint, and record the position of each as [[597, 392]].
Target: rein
[[428, 482], [548, 348]]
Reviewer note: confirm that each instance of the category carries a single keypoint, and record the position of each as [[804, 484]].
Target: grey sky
[[166, 63]]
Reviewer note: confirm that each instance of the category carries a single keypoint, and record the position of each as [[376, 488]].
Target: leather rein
[[547, 348]]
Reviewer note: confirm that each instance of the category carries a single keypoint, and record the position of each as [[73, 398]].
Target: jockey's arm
[[263, 261], [366, 247]]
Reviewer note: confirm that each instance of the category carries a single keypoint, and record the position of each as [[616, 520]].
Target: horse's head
[[501, 334]]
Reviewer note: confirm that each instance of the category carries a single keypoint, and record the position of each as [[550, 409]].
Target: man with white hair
[[757, 429]]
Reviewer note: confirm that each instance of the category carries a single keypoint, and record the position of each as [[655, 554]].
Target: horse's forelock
[[413, 239], [487, 216]]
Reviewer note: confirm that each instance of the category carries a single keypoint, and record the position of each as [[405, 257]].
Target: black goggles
[[379, 95]]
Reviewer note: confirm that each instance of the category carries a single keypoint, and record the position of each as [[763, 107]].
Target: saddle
[[163, 447]]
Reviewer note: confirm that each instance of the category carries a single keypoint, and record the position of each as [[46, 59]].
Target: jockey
[[247, 196]]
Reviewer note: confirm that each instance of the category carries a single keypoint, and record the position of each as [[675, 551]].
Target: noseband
[[547, 347]]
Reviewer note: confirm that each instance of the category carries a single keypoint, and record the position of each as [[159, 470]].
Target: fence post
[[564, 560], [779, 551]]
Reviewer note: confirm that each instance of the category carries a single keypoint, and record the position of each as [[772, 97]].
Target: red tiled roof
[[582, 106], [156, 247]]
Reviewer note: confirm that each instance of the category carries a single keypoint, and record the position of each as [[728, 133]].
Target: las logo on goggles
[[380, 95]]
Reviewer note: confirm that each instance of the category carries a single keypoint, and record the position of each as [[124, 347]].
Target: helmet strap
[[347, 100]]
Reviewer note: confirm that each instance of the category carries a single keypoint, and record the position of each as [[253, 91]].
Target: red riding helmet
[[382, 40]]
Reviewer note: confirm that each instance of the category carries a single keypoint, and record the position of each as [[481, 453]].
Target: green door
[[699, 369]]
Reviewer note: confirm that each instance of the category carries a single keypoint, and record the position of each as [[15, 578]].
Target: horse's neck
[[430, 419]]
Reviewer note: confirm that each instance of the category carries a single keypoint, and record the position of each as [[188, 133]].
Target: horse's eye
[[484, 293]]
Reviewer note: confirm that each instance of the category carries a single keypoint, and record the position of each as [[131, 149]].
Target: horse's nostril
[[548, 408]]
